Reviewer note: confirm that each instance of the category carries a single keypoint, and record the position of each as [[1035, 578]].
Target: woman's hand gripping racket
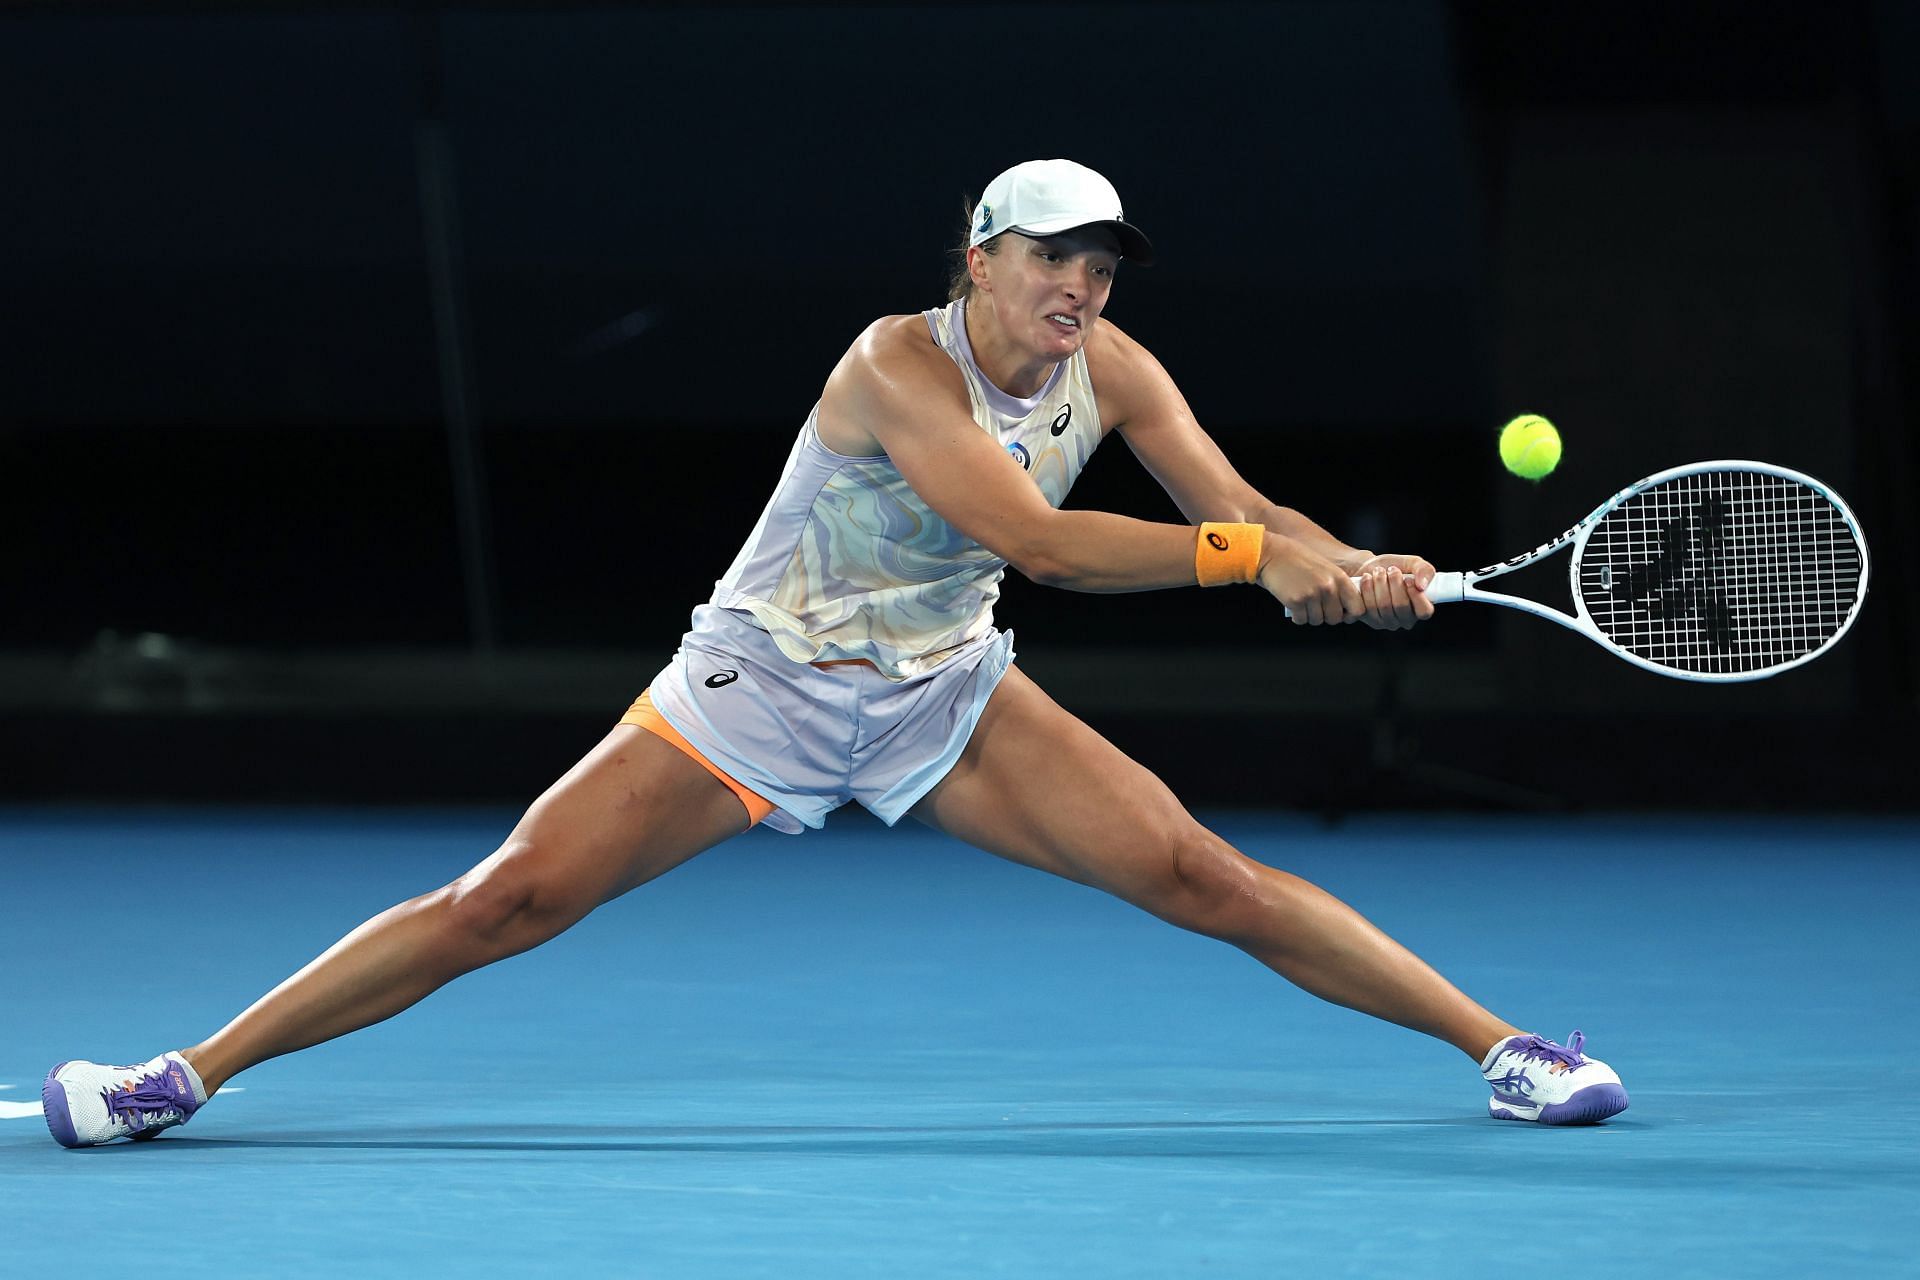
[[1713, 571]]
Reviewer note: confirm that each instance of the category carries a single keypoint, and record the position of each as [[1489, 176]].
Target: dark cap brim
[[1134, 245]]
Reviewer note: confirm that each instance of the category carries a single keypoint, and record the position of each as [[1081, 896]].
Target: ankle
[[205, 1065], [1484, 1039]]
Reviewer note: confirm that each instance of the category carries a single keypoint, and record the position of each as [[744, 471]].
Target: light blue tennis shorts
[[811, 738]]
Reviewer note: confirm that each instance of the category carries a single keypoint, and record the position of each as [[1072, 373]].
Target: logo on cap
[[986, 219]]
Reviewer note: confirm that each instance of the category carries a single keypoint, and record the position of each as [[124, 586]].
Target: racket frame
[[1449, 588]]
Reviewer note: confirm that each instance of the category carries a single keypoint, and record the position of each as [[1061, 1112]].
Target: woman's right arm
[[899, 390]]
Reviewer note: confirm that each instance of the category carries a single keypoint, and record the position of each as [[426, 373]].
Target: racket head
[[1720, 571]]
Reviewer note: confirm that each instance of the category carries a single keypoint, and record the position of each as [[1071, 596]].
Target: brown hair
[[959, 280]]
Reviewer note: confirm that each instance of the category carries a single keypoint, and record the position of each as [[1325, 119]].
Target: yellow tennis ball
[[1530, 446]]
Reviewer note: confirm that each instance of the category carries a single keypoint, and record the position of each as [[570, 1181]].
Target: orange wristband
[[1227, 553]]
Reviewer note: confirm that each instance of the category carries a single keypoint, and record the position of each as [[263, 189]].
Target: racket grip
[[1446, 588]]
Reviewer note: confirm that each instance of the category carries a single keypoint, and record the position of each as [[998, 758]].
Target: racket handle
[[1446, 588]]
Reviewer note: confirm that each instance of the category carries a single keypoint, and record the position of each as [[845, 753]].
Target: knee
[[1206, 884], [506, 904]]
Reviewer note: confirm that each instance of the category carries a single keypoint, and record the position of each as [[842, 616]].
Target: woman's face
[[1047, 291]]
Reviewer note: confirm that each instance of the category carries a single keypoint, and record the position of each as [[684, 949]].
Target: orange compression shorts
[[643, 714]]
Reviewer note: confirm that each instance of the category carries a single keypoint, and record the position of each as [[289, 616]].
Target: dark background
[[383, 384]]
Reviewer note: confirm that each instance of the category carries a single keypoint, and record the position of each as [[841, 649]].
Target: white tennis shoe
[[1538, 1080], [87, 1103]]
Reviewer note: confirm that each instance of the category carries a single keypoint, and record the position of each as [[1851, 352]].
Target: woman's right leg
[[634, 808]]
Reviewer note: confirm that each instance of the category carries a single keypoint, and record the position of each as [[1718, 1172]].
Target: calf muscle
[[632, 809], [1038, 787]]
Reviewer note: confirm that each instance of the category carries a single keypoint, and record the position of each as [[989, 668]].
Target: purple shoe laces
[[1568, 1055], [147, 1097]]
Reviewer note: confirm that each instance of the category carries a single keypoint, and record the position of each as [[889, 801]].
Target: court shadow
[[1063, 1138]]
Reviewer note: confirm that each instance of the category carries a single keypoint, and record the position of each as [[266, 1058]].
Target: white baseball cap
[[1044, 197]]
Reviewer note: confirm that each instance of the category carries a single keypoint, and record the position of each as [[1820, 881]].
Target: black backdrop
[[384, 383]]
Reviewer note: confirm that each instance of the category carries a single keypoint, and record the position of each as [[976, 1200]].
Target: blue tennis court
[[872, 1053]]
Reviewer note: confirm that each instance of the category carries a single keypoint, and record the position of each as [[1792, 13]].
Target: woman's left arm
[[1139, 400]]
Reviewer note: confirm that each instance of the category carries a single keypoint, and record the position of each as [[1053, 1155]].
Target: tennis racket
[[1715, 571]]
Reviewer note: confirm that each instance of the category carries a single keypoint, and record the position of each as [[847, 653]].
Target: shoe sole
[[1589, 1106], [53, 1105]]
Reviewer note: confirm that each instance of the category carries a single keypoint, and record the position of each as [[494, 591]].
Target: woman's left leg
[[1037, 786]]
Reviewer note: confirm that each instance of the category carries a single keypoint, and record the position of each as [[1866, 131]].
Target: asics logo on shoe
[[1539, 1081], [1514, 1084], [86, 1104]]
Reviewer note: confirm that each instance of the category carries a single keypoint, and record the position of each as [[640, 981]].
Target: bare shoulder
[[894, 362], [1126, 377]]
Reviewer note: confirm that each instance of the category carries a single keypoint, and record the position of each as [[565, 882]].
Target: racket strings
[[1722, 572]]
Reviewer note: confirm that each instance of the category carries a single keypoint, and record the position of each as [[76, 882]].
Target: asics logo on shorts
[[720, 679], [1060, 423]]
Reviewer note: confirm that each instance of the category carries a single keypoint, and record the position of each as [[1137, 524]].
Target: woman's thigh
[[632, 809], [1036, 785]]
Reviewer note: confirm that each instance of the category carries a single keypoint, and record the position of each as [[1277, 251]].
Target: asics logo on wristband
[[1217, 542]]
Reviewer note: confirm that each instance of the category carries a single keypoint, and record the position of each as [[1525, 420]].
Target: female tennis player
[[849, 653]]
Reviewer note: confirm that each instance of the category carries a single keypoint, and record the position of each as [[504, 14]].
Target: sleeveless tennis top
[[847, 562]]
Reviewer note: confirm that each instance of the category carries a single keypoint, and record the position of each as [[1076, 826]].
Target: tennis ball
[[1530, 446]]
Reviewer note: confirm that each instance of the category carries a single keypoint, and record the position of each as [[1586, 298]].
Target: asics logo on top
[[720, 679], [1060, 423]]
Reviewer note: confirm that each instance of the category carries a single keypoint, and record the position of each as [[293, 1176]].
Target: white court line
[[17, 1110]]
